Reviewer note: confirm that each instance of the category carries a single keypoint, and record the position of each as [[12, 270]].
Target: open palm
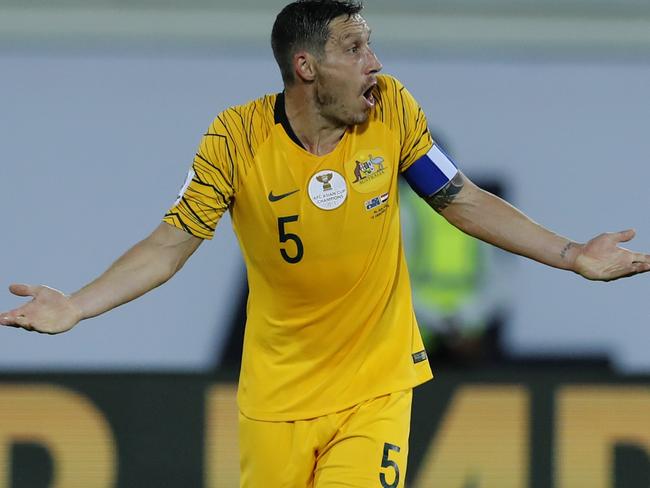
[[602, 259], [50, 311]]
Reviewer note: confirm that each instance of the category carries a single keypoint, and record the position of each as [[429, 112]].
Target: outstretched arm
[[148, 264], [489, 218]]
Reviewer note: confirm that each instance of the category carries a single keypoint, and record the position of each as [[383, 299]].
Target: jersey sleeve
[[209, 188], [409, 119]]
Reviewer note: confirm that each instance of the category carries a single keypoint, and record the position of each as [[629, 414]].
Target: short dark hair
[[304, 24]]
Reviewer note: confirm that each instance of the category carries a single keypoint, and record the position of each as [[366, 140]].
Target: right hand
[[49, 312]]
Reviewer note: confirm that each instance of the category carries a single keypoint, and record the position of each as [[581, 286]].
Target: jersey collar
[[280, 117]]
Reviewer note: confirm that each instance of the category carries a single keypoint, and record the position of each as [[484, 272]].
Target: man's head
[[325, 45], [304, 25]]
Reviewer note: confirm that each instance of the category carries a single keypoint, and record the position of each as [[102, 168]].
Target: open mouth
[[368, 95]]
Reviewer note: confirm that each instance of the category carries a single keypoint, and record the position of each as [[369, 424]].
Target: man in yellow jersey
[[310, 176]]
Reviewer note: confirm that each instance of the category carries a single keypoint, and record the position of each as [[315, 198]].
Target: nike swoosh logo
[[275, 198]]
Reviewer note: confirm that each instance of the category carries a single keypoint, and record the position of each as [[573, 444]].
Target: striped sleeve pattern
[[397, 108], [211, 189]]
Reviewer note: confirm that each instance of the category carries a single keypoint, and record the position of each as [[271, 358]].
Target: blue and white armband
[[429, 174]]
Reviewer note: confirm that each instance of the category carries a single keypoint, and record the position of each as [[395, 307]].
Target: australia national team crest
[[368, 171], [328, 189]]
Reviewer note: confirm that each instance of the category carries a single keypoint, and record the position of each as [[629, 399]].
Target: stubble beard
[[332, 108]]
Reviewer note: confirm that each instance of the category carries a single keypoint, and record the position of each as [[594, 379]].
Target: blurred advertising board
[[507, 427]]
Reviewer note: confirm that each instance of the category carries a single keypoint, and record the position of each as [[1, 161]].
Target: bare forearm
[[145, 266], [128, 278], [491, 219]]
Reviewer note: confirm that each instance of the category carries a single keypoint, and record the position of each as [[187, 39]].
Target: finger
[[9, 318], [25, 322], [6, 320], [625, 235], [22, 290], [641, 258], [640, 267], [10, 324], [16, 320], [20, 312]]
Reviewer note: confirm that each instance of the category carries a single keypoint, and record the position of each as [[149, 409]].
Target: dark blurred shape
[[31, 466], [232, 350], [631, 466]]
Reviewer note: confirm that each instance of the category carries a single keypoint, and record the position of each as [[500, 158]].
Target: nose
[[374, 65]]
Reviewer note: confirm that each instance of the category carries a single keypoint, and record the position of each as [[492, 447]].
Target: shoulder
[[235, 136], [246, 123], [394, 103], [385, 81], [389, 89]]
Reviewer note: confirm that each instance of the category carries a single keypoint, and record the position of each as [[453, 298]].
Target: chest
[[319, 207]]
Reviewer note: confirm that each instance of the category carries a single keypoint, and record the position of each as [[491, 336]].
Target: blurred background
[[543, 377]]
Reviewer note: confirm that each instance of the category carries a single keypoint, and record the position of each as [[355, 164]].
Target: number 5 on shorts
[[389, 463]]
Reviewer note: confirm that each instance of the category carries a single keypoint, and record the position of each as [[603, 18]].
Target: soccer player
[[310, 176]]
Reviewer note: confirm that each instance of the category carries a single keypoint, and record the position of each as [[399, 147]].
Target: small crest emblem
[[327, 189], [364, 169]]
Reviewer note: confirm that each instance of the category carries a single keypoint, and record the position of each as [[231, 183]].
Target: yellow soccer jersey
[[330, 321]]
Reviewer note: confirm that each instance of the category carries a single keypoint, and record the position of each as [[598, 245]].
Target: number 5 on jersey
[[285, 236], [391, 465]]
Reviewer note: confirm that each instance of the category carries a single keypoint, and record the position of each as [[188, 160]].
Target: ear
[[304, 65]]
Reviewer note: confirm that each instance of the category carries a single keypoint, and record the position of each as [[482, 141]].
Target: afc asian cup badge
[[327, 189]]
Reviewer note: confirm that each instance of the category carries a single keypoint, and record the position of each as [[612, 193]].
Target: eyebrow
[[345, 37]]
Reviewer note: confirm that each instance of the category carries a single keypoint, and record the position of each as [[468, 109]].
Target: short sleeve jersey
[[330, 321]]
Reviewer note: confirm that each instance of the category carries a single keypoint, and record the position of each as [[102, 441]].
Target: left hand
[[602, 259]]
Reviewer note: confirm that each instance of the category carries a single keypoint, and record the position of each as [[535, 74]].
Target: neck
[[317, 134]]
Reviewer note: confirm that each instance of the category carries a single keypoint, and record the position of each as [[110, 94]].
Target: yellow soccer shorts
[[365, 446]]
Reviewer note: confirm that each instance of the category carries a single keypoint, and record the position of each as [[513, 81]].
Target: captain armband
[[429, 174]]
